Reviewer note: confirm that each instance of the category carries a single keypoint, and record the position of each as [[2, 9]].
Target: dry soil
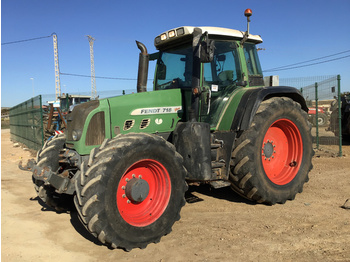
[[217, 226]]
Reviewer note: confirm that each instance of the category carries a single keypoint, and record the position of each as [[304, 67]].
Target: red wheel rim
[[282, 151], [156, 179]]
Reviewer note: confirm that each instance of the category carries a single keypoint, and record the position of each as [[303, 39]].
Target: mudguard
[[251, 100]]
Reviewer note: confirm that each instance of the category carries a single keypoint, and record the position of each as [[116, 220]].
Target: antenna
[[93, 78], [57, 67]]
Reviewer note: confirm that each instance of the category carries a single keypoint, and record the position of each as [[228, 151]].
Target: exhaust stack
[[143, 68]]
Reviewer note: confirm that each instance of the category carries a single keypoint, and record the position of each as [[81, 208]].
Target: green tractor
[[127, 161]]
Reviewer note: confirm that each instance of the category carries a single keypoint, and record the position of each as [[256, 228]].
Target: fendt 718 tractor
[[127, 160]]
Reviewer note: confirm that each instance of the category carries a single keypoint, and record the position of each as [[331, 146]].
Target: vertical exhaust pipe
[[143, 68]]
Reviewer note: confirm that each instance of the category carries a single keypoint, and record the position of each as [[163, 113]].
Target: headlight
[[76, 134]]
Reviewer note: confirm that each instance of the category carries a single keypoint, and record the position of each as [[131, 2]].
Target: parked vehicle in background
[[345, 117], [322, 116]]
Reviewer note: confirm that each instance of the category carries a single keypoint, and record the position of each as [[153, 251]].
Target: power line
[[26, 40], [286, 67], [102, 77]]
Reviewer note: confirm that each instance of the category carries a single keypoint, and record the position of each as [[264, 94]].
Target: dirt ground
[[219, 226]]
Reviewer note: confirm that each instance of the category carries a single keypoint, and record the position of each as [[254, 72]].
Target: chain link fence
[[47, 98], [322, 95], [29, 120], [26, 125]]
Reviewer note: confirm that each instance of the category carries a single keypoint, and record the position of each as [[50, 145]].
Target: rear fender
[[252, 99]]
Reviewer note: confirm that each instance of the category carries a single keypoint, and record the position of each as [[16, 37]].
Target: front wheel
[[131, 191], [48, 156], [271, 160]]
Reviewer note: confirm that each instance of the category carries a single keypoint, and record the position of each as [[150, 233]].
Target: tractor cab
[[210, 64]]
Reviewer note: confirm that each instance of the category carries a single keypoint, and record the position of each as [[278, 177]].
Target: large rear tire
[[271, 160], [131, 191]]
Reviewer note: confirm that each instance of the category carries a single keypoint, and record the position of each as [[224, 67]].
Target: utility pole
[[93, 79], [32, 84], [57, 67]]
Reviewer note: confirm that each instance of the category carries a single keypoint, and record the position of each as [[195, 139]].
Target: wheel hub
[[268, 149], [282, 151], [137, 190], [143, 192]]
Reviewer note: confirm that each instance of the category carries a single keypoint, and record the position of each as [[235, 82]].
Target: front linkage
[[54, 171]]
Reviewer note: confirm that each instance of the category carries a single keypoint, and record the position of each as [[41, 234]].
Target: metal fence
[[26, 125], [46, 98], [28, 120], [322, 95]]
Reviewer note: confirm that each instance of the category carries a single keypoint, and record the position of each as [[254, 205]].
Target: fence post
[[339, 117], [316, 100], [33, 121], [42, 121]]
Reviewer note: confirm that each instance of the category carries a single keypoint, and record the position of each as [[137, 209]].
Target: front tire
[[48, 156], [131, 191], [271, 160]]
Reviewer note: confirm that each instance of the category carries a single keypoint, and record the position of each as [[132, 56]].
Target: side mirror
[[207, 51]]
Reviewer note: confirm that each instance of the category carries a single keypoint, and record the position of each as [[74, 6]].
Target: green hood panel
[[148, 112]]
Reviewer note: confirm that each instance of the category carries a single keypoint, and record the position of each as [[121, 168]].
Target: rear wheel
[[322, 120], [131, 191], [271, 160]]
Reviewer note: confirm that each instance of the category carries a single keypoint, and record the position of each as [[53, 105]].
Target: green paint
[[158, 111]]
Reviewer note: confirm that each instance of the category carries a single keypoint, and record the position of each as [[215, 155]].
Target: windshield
[[174, 69]]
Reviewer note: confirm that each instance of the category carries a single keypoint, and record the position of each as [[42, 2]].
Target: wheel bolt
[[127, 180], [133, 175], [128, 201], [124, 196], [140, 176], [123, 187]]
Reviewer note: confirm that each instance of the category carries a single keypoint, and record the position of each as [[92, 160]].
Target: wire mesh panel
[[26, 124], [321, 94]]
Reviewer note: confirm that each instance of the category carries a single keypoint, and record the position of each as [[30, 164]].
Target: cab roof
[[180, 32]]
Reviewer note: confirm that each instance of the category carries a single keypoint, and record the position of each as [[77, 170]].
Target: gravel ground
[[218, 226]]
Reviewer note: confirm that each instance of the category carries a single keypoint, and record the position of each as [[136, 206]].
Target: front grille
[[76, 119], [96, 131]]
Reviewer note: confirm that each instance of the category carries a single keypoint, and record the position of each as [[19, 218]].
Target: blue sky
[[293, 31]]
